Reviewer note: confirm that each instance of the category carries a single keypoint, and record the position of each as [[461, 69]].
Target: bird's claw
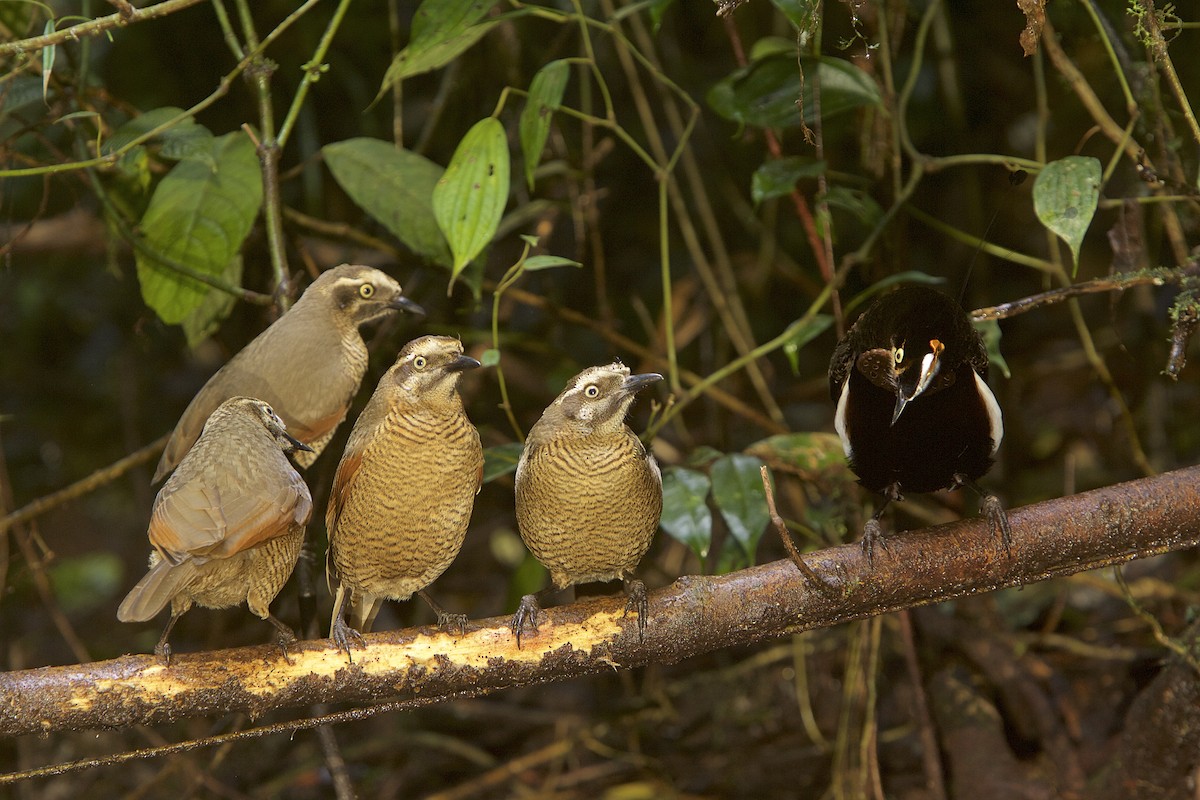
[[163, 651], [638, 602], [526, 618], [872, 537], [991, 507], [342, 635], [452, 622]]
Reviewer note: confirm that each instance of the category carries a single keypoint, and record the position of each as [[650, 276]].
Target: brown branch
[[694, 615], [126, 16]]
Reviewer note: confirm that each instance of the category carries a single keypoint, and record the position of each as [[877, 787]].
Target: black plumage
[[914, 410]]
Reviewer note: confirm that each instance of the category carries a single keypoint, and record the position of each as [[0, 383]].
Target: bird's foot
[[342, 635], [284, 637], [456, 623], [990, 505], [163, 651], [637, 602], [872, 537], [526, 618]]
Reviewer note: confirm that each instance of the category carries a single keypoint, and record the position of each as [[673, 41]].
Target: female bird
[[228, 525], [914, 410], [589, 494], [404, 489], [307, 365]]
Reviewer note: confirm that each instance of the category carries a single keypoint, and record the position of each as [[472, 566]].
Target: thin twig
[[94, 27], [785, 537]]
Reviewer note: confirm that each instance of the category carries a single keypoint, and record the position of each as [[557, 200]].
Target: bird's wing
[[841, 364], [155, 590], [187, 430], [222, 514], [343, 485], [977, 355]]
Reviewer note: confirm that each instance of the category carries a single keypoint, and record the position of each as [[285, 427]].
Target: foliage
[[167, 182]]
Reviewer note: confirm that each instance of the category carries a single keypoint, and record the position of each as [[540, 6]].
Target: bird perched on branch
[[914, 410], [404, 489], [228, 525], [589, 493], [308, 364]]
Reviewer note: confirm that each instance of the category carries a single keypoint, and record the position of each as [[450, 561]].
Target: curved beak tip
[[901, 402], [297, 444], [463, 363], [635, 383], [402, 303]]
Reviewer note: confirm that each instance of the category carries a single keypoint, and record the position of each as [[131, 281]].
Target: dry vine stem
[[696, 614]]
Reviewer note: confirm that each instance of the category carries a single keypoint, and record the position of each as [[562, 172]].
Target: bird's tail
[[154, 591]]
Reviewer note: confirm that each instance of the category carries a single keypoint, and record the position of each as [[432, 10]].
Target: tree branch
[[694, 615], [126, 16]]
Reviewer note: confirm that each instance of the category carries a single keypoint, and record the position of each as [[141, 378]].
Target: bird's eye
[[419, 362], [592, 390], [898, 354], [366, 291], [269, 411]]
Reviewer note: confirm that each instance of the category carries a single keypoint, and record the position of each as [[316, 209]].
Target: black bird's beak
[[930, 365], [296, 443], [635, 383], [462, 363], [402, 303]]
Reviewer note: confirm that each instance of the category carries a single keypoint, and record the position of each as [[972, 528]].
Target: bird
[[404, 489], [308, 364], [588, 492], [227, 526], [914, 410]]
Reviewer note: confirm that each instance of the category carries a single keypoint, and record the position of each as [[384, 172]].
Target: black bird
[[914, 410]]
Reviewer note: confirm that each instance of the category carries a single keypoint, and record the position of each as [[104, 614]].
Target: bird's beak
[[635, 383], [402, 303], [462, 363], [296, 443], [930, 365]]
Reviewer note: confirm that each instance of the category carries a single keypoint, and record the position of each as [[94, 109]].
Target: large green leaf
[[811, 456], [738, 491], [395, 187], [185, 139], [765, 92], [198, 216], [686, 516], [545, 95], [1065, 195], [501, 460], [441, 31], [802, 335], [205, 318], [778, 176], [469, 199]]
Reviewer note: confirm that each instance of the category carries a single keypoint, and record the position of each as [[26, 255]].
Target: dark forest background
[[927, 111]]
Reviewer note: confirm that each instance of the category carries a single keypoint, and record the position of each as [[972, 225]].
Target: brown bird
[[308, 364], [589, 494], [228, 525], [404, 489]]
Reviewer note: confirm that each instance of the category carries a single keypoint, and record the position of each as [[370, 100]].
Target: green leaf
[[205, 318], [545, 96], [489, 357], [857, 202], [778, 177], [501, 460], [1065, 195], [48, 54], [185, 139], [799, 12], [990, 329], [396, 188], [535, 263], [738, 491], [20, 92], [685, 515], [199, 217], [765, 92], [811, 456], [441, 31], [658, 9], [469, 200], [802, 335]]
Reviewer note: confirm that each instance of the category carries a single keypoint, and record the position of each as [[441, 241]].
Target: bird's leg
[[285, 636], [989, 504], [637, 601], [341, 633], [872, 531], [528, 611], [456, 622], [163, 648]]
